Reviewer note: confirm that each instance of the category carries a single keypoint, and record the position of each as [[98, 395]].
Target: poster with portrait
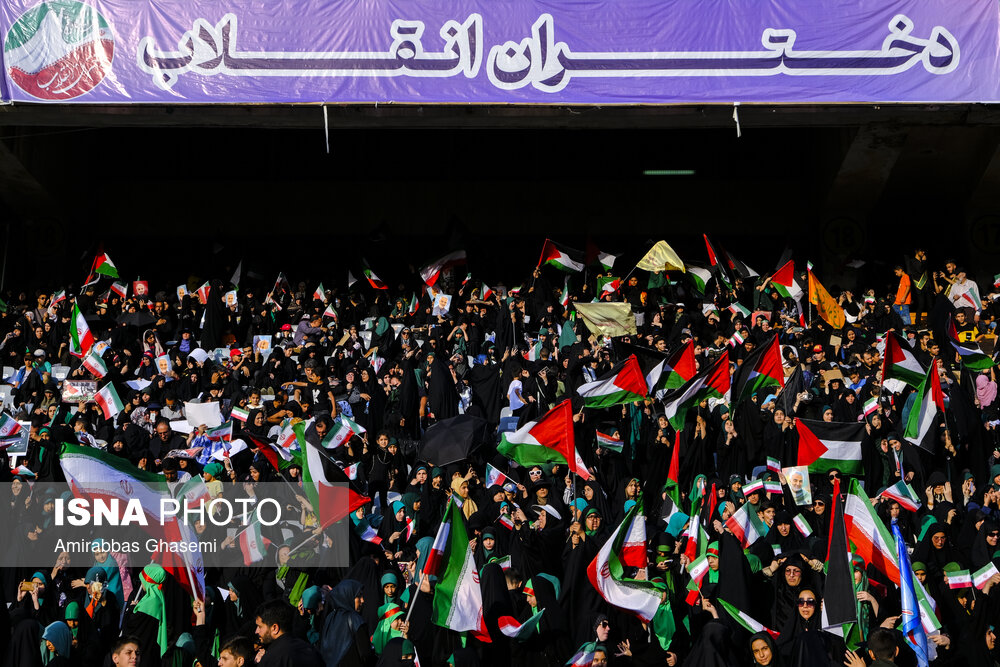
[[163, 365], [140, 288], [262, 344], [442, 304], [230, 299], [797, 478], [182, 291]]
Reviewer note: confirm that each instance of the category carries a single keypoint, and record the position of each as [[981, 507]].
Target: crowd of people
[[392, 363]]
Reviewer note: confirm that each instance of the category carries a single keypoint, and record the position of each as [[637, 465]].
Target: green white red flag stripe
[[430, 273], [57, 298], [751, 487], [899, 365], [119, 288], [330, 311], [9, 426], [95, 364], [784, 282], [903, 494], [240, 414], [748, 622], [494, 477], [436, 555], [959, 579], [982, 576], [698, 568], [108, 401], [606, 571], [458, 599], [712, 382], [605, 441], [871, 405], [827, 445], [743, 527], [564, 297], [559, 257], [252, 543], [772, 486], [872, 541], [511, 628], [802, 525], [550, 439], [80, 338], [485, 292], [223, 432], [320, 293], [373, 279], [773, 464], [351, 471], [737, 309], [624, 383], [344, 429], [923, 414]]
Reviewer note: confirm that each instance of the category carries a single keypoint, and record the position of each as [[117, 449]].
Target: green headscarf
[[73, 614], [384, 632], [152, 603]]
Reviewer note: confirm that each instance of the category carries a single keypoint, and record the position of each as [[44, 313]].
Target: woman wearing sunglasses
[[802, 642]]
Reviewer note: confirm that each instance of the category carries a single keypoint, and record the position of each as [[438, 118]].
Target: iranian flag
[[104, 266], [899, 365], [107, 400], [712, 382], [679, 367], [564, 297], [923, 414], [784, 282], [624, 383], [373, 280], [240, 414], [494, 477], [430, 273], [96, 474], [202, 293], [486, 292], [57, 298], [903, 494], [982, 576], [824, 446], [458, 600], [873, 542], [606, 571], [344, 429], [351, 471], [737, 310], [698, 568], [959, 579], [699, 277], [320, 294], [511, 628], [743, 527], [330, 312], [119, 288], [252, 543], [9, 426], [762, 368], [971, 354], [748, 622], [80, 338], [95, 364], [548, 440], [331, 497], [560, 257], [870, 406], [414, 304]]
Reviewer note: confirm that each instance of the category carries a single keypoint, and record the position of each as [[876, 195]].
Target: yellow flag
[[661, 257], [826, 305], [611, 318]]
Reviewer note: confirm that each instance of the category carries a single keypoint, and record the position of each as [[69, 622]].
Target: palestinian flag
[[743, 527], [923, 414], [606, 571], [280, 458], [331, 497], [605, 441], [712, 382], [749, 624], [606, 260], [680, 366], [622, 384], [252, 543], [972, 356], [80, 338], [344, 429], [609, 285], [104, 266], [873, 542], [762, 368], [511, 628], [107, 400], [430, 273], [784, 282], [899, 365], [718, 260], [119, 288], [373, 280], [95, 364], [9, 427], [560, 257], [495, 477], [96, 474], [838, 592], [827, 445], [458, 599], [651, 362], [239, 414], [903, 494], [548, 440], [699, 278]]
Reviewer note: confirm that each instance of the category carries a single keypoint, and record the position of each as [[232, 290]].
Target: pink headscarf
[[986, 390]]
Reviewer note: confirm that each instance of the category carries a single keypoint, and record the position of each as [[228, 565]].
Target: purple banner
[[500, 51]]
